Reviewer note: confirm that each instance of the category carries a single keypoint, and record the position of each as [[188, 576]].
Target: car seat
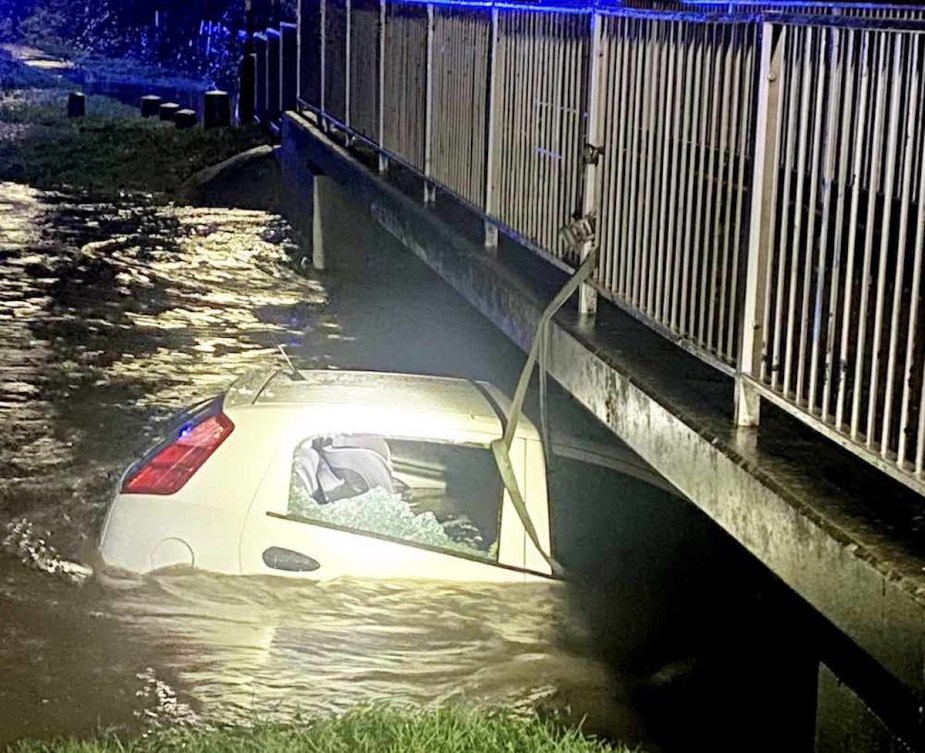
[[342, 466]]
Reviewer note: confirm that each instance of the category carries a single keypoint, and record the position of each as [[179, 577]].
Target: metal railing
[[840, 316], [754, 186], [676, 127]]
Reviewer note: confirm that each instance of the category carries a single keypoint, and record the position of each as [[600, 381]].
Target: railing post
[[762, 221], [429, 189], [587, 295], [491, 230], [383, 160]]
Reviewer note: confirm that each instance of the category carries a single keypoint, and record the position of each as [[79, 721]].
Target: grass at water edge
[[364, 730]]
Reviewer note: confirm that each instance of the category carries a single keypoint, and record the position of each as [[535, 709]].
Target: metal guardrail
[[753, 186]]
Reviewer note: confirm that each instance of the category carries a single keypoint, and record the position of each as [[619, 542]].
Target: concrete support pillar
[[844, 723], [491, 237], [320, 188]]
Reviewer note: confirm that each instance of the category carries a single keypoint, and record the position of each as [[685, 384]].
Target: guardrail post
[[491, 230], [761, 224], [383, 160], [587, 295], [430, 192]]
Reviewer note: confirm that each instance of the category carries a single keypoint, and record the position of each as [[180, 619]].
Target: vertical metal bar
[[624, 153], [530, 222], [383, 161], [666, 102], [708, 276], [888, 187], [764, 195], [809, 243], [860, 129], [720, 261], [557, 201], [572, 105], [644, 198], [836, 93], [347, 44], [677, 176], [873, 186], [841, 189], [911, 84], [699, 260], [792, 93], [324, 55], [491, 230], [429, 188], [912, 329], [735, 113], [795, 238], [615, 150], [517, 97], [610, 77], [745, 142], [688, 267], [633, 205]]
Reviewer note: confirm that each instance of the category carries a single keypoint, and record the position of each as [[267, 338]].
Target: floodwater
[[116, 313]]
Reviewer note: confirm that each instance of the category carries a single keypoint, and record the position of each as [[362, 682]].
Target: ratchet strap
[[502, 447]]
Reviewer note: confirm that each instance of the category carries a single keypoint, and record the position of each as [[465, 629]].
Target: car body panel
[[235, 507]]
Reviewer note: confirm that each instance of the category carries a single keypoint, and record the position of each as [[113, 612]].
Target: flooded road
[[116, 313]]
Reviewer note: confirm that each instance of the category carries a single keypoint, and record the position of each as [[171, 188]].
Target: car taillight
[[169, 467]]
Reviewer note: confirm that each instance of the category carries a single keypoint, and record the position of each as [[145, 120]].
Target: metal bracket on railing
[[591, 154], [579, 231]]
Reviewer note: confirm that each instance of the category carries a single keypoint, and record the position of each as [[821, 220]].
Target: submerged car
[[321, 474]]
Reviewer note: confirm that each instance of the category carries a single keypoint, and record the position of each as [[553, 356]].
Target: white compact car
[[320, 474]]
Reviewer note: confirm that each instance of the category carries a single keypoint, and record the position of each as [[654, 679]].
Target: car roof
[[410, 393]]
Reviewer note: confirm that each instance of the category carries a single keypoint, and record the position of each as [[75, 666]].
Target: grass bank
[[388, 730], [112, 149]]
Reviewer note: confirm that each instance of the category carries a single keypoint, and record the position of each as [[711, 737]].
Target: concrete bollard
[[247, 93], [76, 105], [150, 106], [273, 73], [168, 111], [185, 119], [216, 109], [289, 66], [260, 89]]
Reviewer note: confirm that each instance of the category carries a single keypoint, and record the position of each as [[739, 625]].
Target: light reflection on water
[[113, 314], [250, 647]]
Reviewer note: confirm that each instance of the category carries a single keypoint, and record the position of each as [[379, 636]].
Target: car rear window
[[437, 494]]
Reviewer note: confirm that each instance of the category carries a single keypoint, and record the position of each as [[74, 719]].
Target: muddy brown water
[[115, 313]]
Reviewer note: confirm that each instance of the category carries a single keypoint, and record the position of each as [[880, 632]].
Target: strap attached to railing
[[502, 447]]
